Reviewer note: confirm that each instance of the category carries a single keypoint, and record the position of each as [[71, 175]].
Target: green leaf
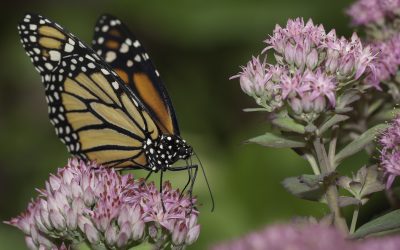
[[345, 201], [309, 187], [333, 121], [288, 124], [359, 143], [381, 224], [276, 141], [367, 181], [385, 115], [375, 106], [306, 187], [255, 110], [372, 181], [347, 98]]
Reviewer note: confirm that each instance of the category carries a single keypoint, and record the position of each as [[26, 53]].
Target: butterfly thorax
[[165, 151]]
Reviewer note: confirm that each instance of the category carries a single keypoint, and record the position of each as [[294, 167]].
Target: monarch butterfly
[[115, 111]]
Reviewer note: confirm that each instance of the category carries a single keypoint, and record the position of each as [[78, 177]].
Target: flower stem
[[332, 147], [354, 220], [331, 194], [313, 163]]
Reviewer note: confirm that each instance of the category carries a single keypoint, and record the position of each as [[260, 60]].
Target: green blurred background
[[197, 46]]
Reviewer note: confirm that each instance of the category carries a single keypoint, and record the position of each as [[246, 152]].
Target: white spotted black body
[[165, 151]]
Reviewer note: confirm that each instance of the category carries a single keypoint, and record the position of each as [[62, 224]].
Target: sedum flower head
[[311, 67], [87, 202], [261, 81], [305, 237], [387, 60], [366, 12], [290, 236], [390, 152]]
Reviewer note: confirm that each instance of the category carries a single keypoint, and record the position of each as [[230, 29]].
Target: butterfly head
[[175, 147]]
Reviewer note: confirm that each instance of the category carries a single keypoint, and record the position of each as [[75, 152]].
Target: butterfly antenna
[[208, 185]]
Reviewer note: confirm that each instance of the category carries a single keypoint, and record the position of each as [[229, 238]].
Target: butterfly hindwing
[[124, 53], [93, 112]]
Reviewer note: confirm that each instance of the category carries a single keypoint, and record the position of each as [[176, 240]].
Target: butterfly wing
[[93, 112], [124, 53]]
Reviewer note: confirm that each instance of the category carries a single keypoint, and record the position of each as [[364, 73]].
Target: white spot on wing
[[110, 56], [115, 85], [49, 66], [124, 48], [91, 65], [136, 44], [32, 26], [137, 58], [68, 47], [55, 55], [104, 28]]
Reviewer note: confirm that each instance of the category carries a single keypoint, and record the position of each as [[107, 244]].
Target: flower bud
[[111, 235], [153, 232], [246, 84], [332, 65], [307, 104], [72, 219], [179, 234], [88, 197], [347, 67], [312, 59], [54, 182], [290, 53], [57, 220], [296, 105], [92, 234], [192, 235], [300, 56], [39, 223], [29, 243], [319, 104], [138, 230], [122, 239]]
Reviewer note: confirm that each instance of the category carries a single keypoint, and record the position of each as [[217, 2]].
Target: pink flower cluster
[[311, 65], [364, 12], [390, 152], [305, 237], [387, 60], [87, 202]]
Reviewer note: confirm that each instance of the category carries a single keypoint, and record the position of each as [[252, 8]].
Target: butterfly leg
[[192, 179], [161, 190], [147, 177], [189, 171]]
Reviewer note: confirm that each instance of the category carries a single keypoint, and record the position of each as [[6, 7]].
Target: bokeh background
[[197, 46]]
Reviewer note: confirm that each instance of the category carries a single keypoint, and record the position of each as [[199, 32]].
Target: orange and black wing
[[93, 112], [125, 54]]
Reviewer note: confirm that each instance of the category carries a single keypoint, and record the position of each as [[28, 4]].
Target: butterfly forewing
[[93, 112], [124, 53]]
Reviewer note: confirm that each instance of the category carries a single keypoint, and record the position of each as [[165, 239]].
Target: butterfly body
[[164, 152]]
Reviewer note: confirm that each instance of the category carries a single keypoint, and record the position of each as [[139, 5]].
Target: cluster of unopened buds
[[87, 202], [312, 66]]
